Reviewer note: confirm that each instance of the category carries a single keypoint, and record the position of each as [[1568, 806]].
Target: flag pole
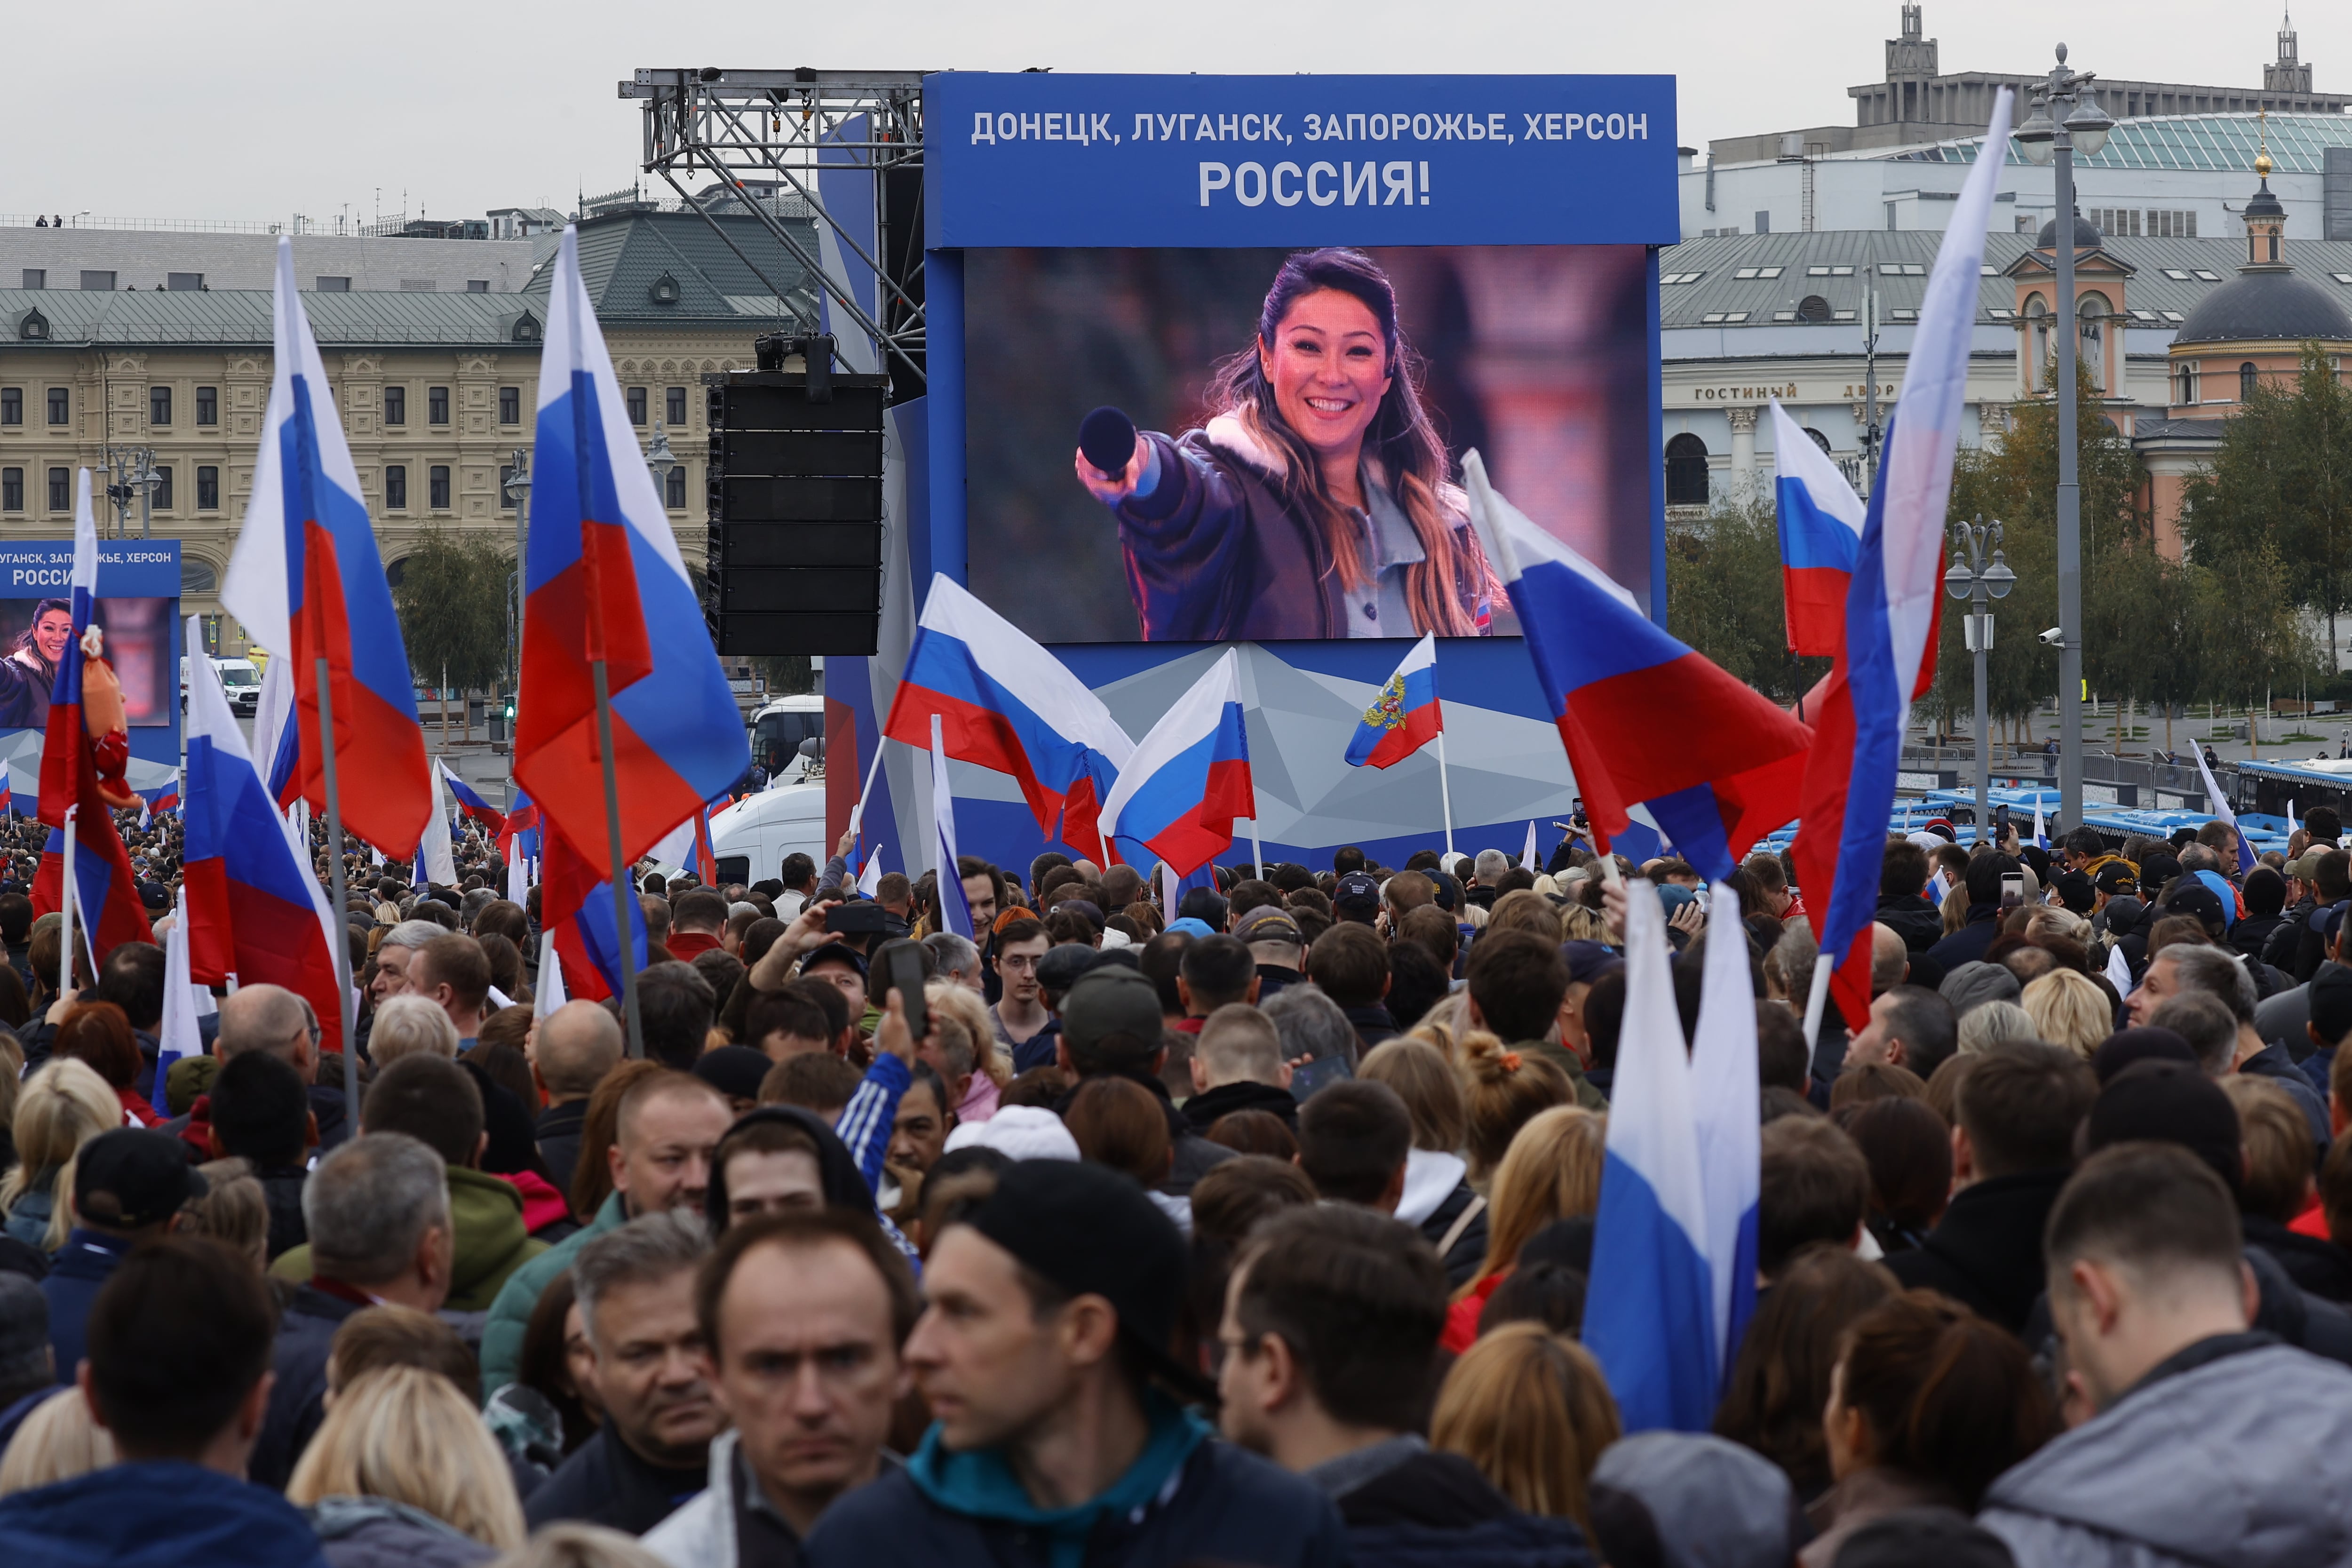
[[1817, 1000], [858, 815], [623, 888], [339, 935], [1445, 799], [66, 903]]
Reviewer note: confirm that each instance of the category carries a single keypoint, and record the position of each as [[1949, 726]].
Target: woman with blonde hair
[[402, 1470], [1552, 1173], [961, 1009], [2069, 1011], [1532, 1411], [55, 1442], [1438, 1198], [1501, 1089], [60, 1108]]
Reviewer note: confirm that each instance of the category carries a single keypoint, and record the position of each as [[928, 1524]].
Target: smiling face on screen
[[1328, 366]]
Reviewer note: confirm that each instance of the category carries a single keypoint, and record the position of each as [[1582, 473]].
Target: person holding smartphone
[[1989, 876]]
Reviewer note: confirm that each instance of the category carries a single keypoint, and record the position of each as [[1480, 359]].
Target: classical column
[[1743, 452]]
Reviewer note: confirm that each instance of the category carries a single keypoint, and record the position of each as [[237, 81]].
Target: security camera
[[2054, 636]]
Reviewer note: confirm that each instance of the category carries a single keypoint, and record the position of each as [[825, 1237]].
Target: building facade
[[437, 391]]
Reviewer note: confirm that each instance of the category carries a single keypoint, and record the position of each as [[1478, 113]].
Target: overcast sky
[[263, 108]]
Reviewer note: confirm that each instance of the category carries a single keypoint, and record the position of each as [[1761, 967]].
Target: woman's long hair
[[1407, 455], [408, 1435], [1532, 1411], [25, 643]]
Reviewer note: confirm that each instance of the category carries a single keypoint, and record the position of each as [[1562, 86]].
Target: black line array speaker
[[795, 511]]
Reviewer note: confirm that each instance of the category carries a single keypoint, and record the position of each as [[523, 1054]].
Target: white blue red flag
[[2221, 813], [254, 909], [471, 805], [1726, 1110], [1718, 779], [1655, 1328], [520, 834], [277, 740], [1406, 715], [179, 1036], [107, 910], [577, 905], [954, 909], [1819, 520], [1893, 604], [1188, 779], [606, 581], [308, 581], [1007, 704], [7, 790], [437, 859], [157, 802]]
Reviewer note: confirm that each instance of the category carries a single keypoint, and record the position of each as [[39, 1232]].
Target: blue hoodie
[[1186, 1499], [155, 1514], [979, 1484]]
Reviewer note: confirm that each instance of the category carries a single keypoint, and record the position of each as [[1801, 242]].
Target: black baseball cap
[[1090, 1231], [2116, 876], [1269, 923], [1059, 967], [132, 1178], [1588, 961], [1359, 887], [1108, 1001], [1448, 890], [836, 953], [2197, 900]]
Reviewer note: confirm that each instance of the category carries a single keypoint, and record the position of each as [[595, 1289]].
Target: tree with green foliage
[[452, 603], [2282, 485]]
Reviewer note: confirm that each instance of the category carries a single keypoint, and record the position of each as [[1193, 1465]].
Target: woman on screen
[[29, 673], [1315, 504]]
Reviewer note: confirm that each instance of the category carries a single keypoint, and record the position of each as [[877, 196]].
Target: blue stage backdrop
[[138, 605], [1115, 241]]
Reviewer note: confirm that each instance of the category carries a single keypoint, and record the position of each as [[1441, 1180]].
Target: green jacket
[[1560, 1056], [491, 1241], [511, 1312]]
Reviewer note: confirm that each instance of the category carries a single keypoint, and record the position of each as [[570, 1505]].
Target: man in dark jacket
[[1330, 1329], [1968, 944], [380, 1233], [179, 1349], [1238, 1065], [652, 1453], [260, 1114], [129, 1185], [1902, 879], [1111, 1029], [1351, 963], [2018, 1108], [1045, 1353], [570, 1051]]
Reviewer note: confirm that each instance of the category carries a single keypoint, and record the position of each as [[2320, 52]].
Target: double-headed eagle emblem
[[1387, 712]]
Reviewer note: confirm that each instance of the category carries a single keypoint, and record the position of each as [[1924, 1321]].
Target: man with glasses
[[1021, 1014]]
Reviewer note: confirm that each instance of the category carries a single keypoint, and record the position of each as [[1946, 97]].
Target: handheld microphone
[[1107, 437]]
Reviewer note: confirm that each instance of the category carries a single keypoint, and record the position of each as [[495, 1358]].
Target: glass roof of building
[[2187, 141]]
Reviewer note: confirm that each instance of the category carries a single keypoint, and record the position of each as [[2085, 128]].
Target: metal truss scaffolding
[[763, 134]]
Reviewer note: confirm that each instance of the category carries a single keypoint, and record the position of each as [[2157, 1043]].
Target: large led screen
[[1244, 389]]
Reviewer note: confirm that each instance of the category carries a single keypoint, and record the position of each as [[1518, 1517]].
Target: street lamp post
[[2066, 120], [1980, 579], [661, 461], [518, 490]]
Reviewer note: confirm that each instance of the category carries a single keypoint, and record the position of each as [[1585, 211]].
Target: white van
[[752, 837], [778, 730], [240, 679]]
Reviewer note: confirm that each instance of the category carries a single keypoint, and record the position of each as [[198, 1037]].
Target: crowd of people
[[1258, 1230]]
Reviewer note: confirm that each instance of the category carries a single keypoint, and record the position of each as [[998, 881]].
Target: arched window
[[1686, 471], [2037, 319], [2092, 309], [2184, 386], [197, 577], [1819, 440], [2246, 380], [1812, 308]]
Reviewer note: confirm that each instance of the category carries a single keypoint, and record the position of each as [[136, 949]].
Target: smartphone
[[2012, 891], [1308, 1077], [902, 971]]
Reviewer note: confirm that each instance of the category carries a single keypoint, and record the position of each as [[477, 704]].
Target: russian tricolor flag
[[576, 907], [1719, 777], [1821, 520], [605, 582], [470, 803], [955, 911], [1006, 704], [520, 835], [1406, 716], [107, 910], [1653, 1321], [2221, 813], [1188, 779], [309, 583], [164, 797], [1891, 608], [7, 790], [255, 912]]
